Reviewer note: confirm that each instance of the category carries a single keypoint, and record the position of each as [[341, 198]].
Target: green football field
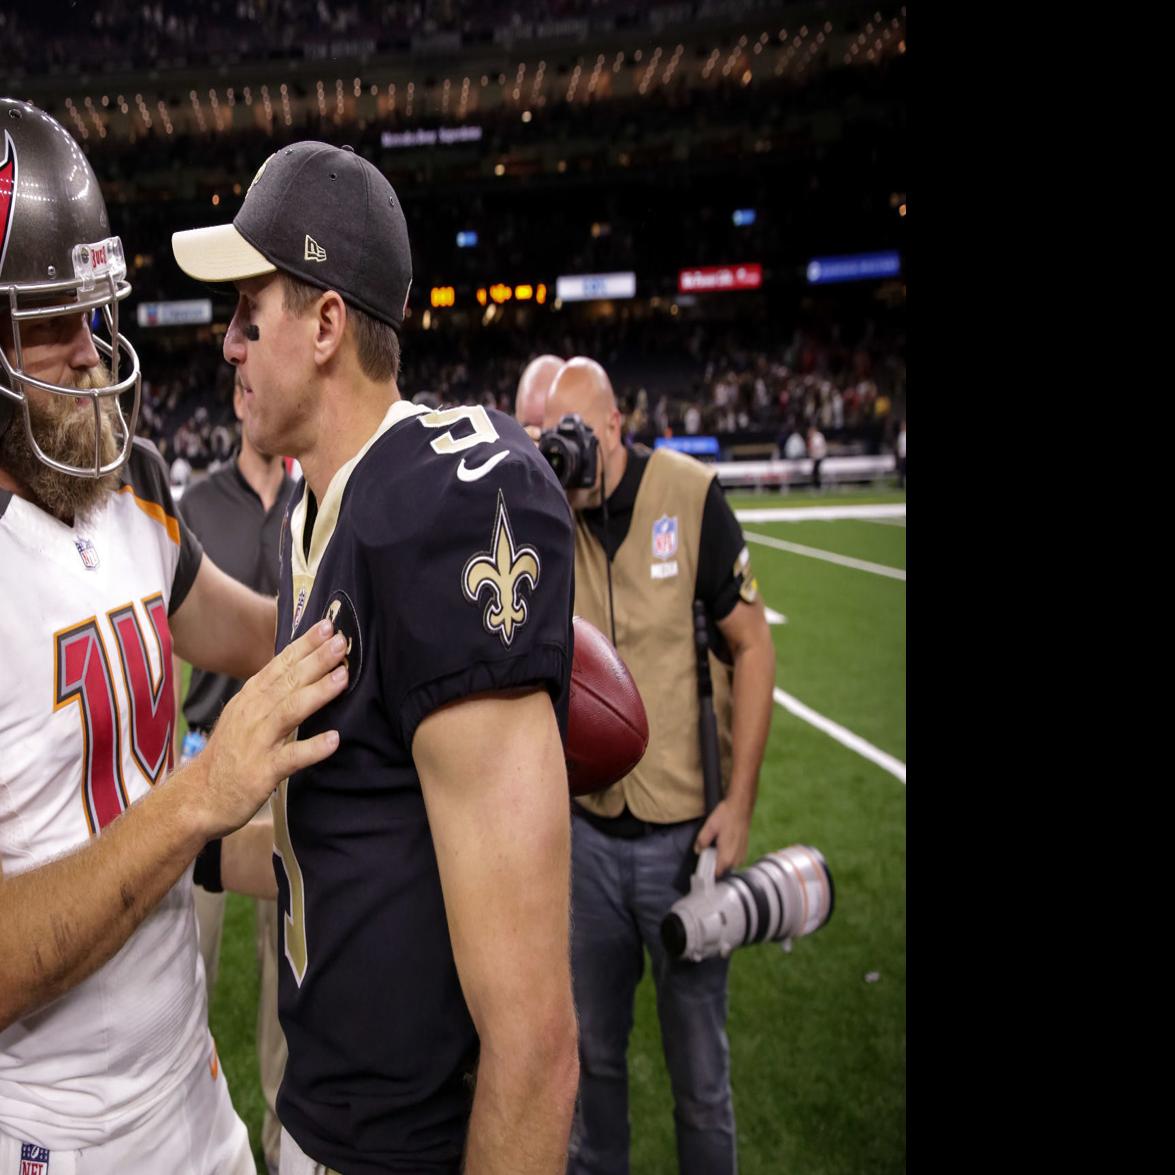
[[817, 1035]]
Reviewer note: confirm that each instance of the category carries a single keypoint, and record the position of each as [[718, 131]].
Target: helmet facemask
[[98, 284]]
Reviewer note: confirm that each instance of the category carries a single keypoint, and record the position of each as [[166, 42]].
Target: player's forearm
[[248, 638], [246, 860], [751, 700], [223, 626], [523, 1105], [260, 631], [61, 921], [177, 675]]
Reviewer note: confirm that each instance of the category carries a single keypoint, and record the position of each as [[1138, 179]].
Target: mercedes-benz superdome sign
[[854, 267], [193, 311], [445, 136], [585, 287]]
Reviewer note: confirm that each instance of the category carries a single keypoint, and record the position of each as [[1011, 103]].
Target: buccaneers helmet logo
[[7, 195], [504, 568]]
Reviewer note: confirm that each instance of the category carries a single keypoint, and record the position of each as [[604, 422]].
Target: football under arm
[[495, 786], [223, 626]]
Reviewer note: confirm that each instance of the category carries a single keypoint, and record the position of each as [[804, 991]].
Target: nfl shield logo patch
[[299, 605], [665, 537], [34, 1160], [88, 553]]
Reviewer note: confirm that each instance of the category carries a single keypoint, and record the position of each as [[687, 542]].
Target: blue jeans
[[620, 891]]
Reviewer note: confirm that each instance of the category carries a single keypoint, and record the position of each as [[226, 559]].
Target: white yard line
[[821, 513], [828, 556], [847, 738], [774, 617]]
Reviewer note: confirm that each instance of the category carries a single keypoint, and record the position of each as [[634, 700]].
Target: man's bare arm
[[246, 860], [223, 626], [495, 785], [177, 675], [60, 921], [746, 632]]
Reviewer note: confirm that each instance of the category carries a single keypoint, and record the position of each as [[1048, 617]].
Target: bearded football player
[[104, 1042]]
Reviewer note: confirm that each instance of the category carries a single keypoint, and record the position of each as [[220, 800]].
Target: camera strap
[[708, 737], [608, 559]]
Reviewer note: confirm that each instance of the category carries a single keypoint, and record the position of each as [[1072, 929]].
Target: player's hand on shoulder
[[251, 748]]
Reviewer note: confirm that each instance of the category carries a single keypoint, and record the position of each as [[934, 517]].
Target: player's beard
[[65, 432]]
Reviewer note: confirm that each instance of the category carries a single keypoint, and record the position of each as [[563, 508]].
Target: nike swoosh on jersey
[[467, 474]]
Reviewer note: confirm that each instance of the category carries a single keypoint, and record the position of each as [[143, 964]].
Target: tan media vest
[[653, 598]]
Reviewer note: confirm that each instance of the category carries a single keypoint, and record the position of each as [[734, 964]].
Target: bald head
[[533, 388], [583, 386]]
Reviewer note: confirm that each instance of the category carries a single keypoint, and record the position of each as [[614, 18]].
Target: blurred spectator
[[180, 476], [817, 450], [794, 447]]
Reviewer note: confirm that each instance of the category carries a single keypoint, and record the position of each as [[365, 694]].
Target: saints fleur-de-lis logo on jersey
[[503, 569]]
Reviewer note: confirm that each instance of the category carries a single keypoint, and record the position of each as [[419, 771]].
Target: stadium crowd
[[704, 378], [585, 188], [127, 34]]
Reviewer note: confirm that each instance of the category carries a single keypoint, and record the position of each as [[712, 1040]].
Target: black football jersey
[[445, 553]]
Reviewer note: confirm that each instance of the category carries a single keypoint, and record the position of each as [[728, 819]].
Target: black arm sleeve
[[724, 575], [206, 874]]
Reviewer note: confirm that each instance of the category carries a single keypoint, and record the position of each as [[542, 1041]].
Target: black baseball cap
[[322, 214]]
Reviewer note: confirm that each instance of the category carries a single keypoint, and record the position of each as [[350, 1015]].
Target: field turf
[[817, 1035]]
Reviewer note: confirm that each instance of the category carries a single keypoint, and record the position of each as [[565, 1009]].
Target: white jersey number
[[483, 433]]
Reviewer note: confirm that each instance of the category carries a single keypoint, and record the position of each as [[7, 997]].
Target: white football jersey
[[87, 707]]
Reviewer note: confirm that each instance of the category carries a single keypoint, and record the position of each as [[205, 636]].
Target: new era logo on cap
[[314, 251]]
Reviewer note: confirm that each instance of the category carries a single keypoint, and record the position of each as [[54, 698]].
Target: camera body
[[782, 896], [572, 451]]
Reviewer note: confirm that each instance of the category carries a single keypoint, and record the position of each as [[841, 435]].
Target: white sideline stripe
[[816, 553], [774, 617], [846, 737], [820, 513]]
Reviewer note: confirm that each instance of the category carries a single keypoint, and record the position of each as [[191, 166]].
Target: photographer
[[534, 385], [654, 533]]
